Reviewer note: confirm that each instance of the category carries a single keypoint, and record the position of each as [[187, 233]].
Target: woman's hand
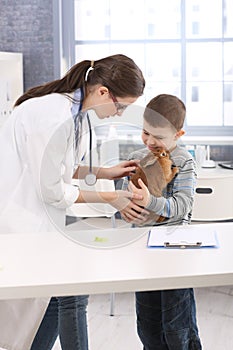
[[122, 169], [122, 199], [143, 191]]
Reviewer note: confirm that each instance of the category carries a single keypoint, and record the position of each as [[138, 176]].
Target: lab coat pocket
[[22, 211], [17, 219], [19, 322]]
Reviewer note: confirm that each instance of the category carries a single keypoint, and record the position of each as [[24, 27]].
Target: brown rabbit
[[156, 171]]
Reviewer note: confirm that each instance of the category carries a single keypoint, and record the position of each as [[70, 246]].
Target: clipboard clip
[[182, 245]]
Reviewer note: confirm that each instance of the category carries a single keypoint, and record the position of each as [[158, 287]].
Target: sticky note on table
[[100, 239]]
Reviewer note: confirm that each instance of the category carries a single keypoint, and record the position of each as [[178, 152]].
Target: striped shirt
[[177, 200]]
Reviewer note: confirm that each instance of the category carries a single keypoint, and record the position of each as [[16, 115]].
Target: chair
[[101, 211]]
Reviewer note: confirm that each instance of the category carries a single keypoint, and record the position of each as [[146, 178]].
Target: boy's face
[[154, 137]]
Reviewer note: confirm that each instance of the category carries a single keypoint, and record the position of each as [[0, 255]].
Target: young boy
[[166, 320]]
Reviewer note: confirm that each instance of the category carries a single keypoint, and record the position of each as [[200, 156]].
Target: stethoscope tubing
[[90, 144]]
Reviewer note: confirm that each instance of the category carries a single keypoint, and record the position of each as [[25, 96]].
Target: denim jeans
[[66, 317], [166, 320]]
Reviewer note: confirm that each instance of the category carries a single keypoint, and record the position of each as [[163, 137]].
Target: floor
[[214, 313]]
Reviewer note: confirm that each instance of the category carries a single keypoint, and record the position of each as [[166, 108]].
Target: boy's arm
[[133, 212], [178, 200]]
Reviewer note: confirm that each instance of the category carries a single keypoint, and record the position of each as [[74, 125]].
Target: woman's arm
[[112, 173], [49, 157], [118, 199]]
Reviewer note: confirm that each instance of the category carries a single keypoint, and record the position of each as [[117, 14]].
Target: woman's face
[[105, 104]]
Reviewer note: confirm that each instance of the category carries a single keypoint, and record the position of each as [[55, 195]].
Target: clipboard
[[182, 237]]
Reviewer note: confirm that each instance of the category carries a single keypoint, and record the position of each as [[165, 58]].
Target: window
[[184, 47]]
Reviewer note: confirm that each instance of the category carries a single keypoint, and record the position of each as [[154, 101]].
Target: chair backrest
[[93, 209]]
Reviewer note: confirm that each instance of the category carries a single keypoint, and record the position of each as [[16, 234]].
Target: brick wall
[[27, 26]]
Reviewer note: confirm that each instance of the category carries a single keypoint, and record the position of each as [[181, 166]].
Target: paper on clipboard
[[187, 236]]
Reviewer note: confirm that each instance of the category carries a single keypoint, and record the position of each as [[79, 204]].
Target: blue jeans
[[66, 317], [166, 320]]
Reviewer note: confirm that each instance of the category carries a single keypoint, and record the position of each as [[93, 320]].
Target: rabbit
[[156, 170]]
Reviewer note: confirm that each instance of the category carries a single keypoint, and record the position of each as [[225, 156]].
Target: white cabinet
[[11, 82], [213, 200]]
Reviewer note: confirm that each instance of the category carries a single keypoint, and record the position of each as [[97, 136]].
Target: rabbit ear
[[148, 160]]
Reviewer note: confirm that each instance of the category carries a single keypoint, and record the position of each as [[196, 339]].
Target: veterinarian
[[166, 319], [41, 145]]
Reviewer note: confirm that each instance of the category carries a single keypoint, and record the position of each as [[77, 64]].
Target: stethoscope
[[90, 179]]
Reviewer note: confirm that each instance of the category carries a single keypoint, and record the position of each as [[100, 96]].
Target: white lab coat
[[37, 159]]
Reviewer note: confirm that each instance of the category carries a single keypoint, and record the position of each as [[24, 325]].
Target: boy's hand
[[134, 213], [143, 191]]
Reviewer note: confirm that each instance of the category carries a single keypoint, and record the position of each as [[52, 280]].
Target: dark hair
[[164, 110], [118, 73]]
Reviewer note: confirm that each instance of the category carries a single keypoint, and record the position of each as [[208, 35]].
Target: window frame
[[67, 54]]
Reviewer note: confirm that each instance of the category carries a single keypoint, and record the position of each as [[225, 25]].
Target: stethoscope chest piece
[[90, 179]]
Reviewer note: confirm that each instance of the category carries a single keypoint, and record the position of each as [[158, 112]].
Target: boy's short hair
[[165, 111]]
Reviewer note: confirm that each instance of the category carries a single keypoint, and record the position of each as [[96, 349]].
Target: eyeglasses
[[119, 106]]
